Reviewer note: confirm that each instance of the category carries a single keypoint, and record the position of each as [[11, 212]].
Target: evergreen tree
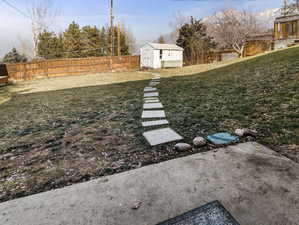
[[44, 44], [72, 41], [49, 45], [195, 41], [104, 42], [14, 57], [124, 46], [91, 41], [58, 51], [161, 40], [86, 42]]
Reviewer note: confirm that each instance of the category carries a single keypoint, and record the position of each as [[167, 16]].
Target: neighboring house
[[286, 31], [155, 56]]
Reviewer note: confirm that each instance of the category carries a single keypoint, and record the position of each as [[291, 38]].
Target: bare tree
[[26, 47], [290, 8], [160, 40], [130, 39], [178, 21], [231, 27], [42, 14]]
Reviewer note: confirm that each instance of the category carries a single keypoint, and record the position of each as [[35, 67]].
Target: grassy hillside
[[57, 138], [261, 93]]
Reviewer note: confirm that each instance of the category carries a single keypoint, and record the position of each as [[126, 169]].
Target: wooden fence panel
[[65, 67], [256, 47]]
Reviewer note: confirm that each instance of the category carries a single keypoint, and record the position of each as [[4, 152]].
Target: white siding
[[172, 58], [146, 56], [150, 57], [172, 55]]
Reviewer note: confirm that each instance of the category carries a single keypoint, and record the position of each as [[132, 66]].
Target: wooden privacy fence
[[64, 67], [198, 58]]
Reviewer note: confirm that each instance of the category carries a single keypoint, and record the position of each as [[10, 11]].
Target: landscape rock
[[246, 132], [136, 205], [182, 147], [199, 142], [240, 132]]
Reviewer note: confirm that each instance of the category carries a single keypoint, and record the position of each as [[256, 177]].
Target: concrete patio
[[257, 186]]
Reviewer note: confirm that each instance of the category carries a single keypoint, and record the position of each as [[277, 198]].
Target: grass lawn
[[56, 138]]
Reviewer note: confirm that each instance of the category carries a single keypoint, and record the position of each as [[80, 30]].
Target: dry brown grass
[[60, 83]]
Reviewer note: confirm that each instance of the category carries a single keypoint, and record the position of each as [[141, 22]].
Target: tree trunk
[[239, 50]]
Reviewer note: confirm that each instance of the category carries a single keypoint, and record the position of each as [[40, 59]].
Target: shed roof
[[165, 46]]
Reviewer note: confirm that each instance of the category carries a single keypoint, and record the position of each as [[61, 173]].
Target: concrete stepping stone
[[152, 101], [154, 82], [161, 136], [151, 94], [153, 106], [150, 89], [154, 123], [148, 114], [153, 85], [151, 98]]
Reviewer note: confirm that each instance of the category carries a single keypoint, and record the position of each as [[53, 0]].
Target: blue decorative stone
[[222, 138]]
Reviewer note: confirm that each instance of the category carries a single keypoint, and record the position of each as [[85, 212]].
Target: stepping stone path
[[157, 105], [152, 101], [161, 136], [151, 94], [150, 98], [150, 111], [150, 89], [154, 123], [148, 114]]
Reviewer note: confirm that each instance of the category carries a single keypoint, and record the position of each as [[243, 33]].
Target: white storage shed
[[155, 56]]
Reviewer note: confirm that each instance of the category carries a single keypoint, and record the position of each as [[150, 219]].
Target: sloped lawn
[[261, 94], [53, 139]]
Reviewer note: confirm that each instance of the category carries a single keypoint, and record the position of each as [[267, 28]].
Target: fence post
[[24, 74], [46, 68], [130, 62], [110, 64]]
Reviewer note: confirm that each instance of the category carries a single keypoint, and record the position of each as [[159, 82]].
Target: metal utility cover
[[210, 214]]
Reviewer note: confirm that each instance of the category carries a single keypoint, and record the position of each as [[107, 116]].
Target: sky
[[146, 18]]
